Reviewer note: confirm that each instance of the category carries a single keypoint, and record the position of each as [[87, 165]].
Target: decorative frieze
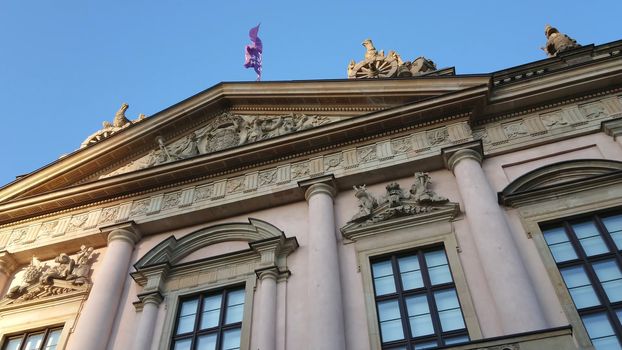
[[421, 144]]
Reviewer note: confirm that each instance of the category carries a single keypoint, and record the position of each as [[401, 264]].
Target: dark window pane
[[183, 344], [600, 331], [231, 339], [438, 268], [34, 341], [235, 306], [419, 316], [449, 310], [390, 321], [52, 340], [211, 311], [457, 340], [579, 286], [590, 239], [187, 315], [426, 345], [614, 226], [410, 272], [384, 283], [207, 342], [13, 344], [610, 277]]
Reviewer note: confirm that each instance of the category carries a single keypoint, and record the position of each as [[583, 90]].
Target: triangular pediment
[[236, 125]]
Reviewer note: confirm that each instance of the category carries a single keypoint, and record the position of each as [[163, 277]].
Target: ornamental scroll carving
[[395, 202], [39, 280], [225, 131]]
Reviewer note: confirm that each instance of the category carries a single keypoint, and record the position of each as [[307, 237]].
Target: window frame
[[173, 298], [586, 262], [221, 327], [392, 240], [428, 290], [605, 197], [24, 334]]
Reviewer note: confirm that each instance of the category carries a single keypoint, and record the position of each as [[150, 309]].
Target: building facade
[[406, 207]]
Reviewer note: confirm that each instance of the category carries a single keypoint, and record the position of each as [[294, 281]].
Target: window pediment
[[561, 178], [173, 250]]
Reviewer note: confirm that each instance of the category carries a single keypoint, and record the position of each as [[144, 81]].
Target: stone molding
[[543, 126], [127, 231], [612, 127], [469, 150]]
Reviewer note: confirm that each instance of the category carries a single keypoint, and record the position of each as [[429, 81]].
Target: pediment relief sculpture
[[119, 122], [557, 42], [377, 65], [39, 280], [225, 131], [396, 202]]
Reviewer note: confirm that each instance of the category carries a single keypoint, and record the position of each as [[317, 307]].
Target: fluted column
[[95, 322], [506, 275], [146, 326], [7, 267], [326, 322], [267, 309]]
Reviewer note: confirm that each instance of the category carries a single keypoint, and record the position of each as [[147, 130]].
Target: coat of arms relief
[[225, 131], [65, 275]]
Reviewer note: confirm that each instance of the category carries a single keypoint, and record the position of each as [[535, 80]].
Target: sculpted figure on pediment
[[40, 280], [396, 202], [227, 130]]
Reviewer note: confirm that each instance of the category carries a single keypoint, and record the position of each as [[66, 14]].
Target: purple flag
[[253, 52]]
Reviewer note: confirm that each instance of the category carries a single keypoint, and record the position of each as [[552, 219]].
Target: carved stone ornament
[[118, 123], [557, 42], [225, 131], [377, 65], [68, 274], [395, 203]]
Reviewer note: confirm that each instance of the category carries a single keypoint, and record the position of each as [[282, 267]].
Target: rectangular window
[[210, 321], [587, 253], [416, 301], [45, 339]]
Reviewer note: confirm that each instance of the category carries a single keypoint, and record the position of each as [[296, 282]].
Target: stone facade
[[289, 195]]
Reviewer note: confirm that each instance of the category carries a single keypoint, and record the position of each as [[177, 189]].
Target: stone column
[[96, 319], [326, 322], [7, 267], [267, 309], [506, 275], [146, 326]]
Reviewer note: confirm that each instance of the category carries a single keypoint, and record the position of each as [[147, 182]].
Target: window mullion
[[431, 301], [401, 302]]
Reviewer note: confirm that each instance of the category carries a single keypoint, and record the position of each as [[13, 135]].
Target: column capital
[[612, 127], [321, 184], [127, 231], [269, 272], [151, 298], [454, 154], [8, 264]]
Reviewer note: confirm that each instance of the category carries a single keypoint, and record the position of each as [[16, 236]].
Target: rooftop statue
[[557, 42], [377, 65], [119, 122]]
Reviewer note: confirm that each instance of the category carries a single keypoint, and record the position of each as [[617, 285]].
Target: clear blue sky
[[66, 66]]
